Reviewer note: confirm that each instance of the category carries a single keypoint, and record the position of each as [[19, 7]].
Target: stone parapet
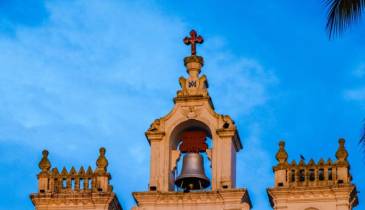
[[325, 185], [322, 173], [69, 190]]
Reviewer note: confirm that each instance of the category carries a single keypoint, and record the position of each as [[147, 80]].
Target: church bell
[[192, 176]]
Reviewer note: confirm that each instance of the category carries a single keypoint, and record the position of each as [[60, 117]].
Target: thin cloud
[[251, 175], [360, 71], [357, 94]]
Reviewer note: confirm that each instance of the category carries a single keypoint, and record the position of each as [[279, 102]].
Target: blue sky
[[77, 75]]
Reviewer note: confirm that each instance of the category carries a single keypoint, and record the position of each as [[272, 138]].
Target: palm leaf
[[341, 14], [362, 139]]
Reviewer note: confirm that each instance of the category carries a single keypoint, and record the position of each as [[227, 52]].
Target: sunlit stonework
[[303, 186], [325, 185], [68, 190]]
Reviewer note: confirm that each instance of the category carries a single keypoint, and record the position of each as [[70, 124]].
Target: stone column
[[226, 159], [155, 139]]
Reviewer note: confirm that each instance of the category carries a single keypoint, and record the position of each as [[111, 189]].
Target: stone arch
[[174, 140]]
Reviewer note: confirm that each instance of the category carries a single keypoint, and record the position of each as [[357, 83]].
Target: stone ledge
[[229, 196], [184, 99], [74, 199]]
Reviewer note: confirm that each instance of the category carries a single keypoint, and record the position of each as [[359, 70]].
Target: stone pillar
[[225, 152], [155, 139]]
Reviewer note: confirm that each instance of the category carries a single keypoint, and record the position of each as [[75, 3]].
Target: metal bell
[[192, 176]]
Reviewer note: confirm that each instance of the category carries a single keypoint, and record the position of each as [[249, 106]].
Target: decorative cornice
[[75, 198], [314, 194], [232, 133], [188, 98], [200, 197], [154, 136]]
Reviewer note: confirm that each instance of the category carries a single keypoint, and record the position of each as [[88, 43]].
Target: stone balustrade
[[322, 173], [53, 181], [72, 181]]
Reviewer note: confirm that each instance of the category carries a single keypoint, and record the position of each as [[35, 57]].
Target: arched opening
[[175, 137], [188, 160]]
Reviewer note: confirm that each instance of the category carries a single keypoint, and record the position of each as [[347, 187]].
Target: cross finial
[[192, 40]]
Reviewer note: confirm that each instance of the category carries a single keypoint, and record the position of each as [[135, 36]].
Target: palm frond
[[362, 138], [341, 14]]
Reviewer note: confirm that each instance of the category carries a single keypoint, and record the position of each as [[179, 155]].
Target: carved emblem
[[191, 112], [192, 84]]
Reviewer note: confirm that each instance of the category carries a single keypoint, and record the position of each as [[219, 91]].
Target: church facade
[[190, 136]]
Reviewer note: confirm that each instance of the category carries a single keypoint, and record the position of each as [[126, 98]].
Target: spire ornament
[[193, 62], [102, 162], [282, 155], [341, 153], [194, 85], [44, 164]]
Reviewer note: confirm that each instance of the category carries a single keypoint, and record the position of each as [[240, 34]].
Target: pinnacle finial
[[193, 40], [44, 164], [102, 162], [282, 155], [341, 153]]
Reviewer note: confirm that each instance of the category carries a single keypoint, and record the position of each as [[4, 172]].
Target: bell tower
[[181, 135]]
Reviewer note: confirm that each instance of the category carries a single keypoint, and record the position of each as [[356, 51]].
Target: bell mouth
[[192, 176], [192, 183]]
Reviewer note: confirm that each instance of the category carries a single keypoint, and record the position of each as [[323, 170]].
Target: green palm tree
[[341, 14]]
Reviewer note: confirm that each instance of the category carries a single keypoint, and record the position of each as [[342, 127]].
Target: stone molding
[[79, 200], [222, 198], [347, 193]]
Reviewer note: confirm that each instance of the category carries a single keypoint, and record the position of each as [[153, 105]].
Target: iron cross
[[192, 40]]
